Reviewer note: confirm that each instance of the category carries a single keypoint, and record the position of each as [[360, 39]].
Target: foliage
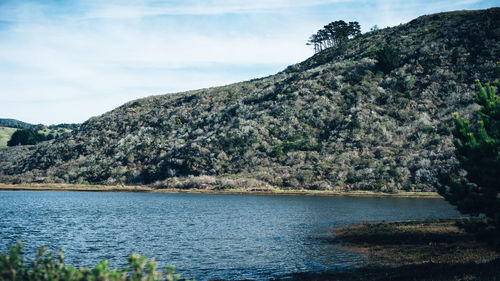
[[13, 123], [38, 133], [387, 59], [47, 267], [334, 33], [478, 150], [27, 136], [68, 126]]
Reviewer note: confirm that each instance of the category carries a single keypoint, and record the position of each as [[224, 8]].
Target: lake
[[206, 236]]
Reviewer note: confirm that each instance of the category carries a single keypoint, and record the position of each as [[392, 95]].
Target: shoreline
[[434, 249], [147, 189]]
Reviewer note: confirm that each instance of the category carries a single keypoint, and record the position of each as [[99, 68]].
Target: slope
[[334, 121], [13, 123]]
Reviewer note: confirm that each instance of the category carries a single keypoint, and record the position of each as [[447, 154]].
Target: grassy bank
[[414, 250], [255, 191]]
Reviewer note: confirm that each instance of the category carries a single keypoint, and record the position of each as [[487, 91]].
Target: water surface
[[205, 236]]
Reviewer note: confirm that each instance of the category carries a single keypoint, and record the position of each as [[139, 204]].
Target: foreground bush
[[46, 266], [478, 150]]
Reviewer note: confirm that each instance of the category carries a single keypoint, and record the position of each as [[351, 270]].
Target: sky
[[66, 61]]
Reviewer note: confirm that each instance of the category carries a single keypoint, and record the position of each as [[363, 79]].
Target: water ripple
[[204, 236]]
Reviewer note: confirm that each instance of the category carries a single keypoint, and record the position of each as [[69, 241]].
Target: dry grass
[[74, 187], [416, 242], [260, 190]]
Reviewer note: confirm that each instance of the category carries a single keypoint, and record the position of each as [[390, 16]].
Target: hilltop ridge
[[13, 123], [334, 121]]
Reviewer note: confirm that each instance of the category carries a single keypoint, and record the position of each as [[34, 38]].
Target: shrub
[[27, 136], [388, 59], [45, 266], [478, 151]]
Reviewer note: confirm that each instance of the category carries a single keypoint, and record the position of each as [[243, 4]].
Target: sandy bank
[[147, 189]]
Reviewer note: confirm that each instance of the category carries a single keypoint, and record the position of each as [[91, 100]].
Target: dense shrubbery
[[332, 122], [47, 267], [387, 59]]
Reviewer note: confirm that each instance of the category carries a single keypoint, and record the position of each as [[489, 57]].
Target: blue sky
[[66, 61]]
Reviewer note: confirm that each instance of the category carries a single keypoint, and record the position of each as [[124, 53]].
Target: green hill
[[13, 123], [340, 120], [39, 132]]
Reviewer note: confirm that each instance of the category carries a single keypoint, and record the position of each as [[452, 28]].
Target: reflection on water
[[205, 236]]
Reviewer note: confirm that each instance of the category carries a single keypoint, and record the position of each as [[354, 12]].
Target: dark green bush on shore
[[46, 266], [478, 150]]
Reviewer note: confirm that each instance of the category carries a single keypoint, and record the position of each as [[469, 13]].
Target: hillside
[[41, 132], [13, 123], [334, 121]]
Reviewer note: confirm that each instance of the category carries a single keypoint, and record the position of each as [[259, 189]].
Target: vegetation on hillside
[[14, 132], [47, 266], [372, 114], [35, 134], [28, 136], [478, 150], [13, 123]]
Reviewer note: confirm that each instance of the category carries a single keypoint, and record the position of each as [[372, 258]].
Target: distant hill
[[9, 126], [68, 126], [373, 114], [13, 123]]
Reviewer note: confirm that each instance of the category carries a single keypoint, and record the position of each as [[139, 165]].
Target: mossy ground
[[414, 250]]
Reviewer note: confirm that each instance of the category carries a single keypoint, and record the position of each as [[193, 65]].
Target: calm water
[[204, 236]]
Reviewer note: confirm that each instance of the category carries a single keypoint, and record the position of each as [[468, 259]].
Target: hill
[[9, 126], [339, 120], [13, 123]]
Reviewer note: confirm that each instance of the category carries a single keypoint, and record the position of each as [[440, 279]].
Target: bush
[[45, 266], [388, 59], [27, 136], [478, 150]]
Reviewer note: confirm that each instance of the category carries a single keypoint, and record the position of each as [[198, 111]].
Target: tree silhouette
[[334, 34]]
